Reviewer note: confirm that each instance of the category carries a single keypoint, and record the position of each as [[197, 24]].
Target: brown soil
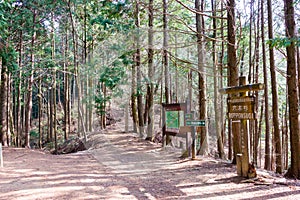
[[122, 166]]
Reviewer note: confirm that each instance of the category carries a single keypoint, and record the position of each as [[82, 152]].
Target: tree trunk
[[251, 66], [165, 51], [277, 138], [294, 170], [103, 113], [28, 106], [233, 79], [40, 99], [51, 120], [135, 68], [267, 134], [150, 85], [81, 125], [201, 77], [217, 99], [49, 136], [221, 66], [257, 128], [67, 112], [3, 104], [298, 67], [138, 72], [19, 94], [53, 90], [133, 97]]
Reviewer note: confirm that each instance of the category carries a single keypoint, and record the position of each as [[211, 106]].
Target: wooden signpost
[[171, 120], [172, 123], [241, 108], [192, 123], [1, 157]]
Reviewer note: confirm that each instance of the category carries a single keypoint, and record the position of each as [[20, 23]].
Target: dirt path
[[121, 166]]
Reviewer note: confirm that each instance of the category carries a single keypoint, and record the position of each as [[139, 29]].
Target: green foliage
[[112, 16], [281, 42], [34, 134], [9, 57], [100, 101], [110, 78]]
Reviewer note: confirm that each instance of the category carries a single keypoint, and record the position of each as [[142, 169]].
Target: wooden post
[[163, 118], [245, 138], [240, 112], [126, 117], [1, 157], [193, 133], [236, 127], [239, 164], [242, 88], [188, 110]]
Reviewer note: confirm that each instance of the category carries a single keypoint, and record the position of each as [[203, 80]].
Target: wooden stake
[[126, 117], [239, 164], [242, 88], [245, 138], [1, 157]]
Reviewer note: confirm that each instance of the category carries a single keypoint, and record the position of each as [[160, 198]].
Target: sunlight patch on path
[[135, 161]]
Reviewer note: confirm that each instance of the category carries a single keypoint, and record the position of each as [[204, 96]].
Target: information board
[[241, 107]]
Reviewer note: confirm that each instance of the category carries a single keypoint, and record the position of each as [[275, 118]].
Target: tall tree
[[276, 132], [199, 6], [53, 89], [150, 84], [233, 78], [28, 106], [165, 51], [3, 99], [138, 71], [67, 107], [267, 134], [135, 65], [217, 99], [257, 132], [293, 100]]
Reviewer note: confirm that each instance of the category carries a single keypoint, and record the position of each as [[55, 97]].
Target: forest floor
[[120, 165]]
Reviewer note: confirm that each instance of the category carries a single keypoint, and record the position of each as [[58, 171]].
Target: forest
[[63, 62]]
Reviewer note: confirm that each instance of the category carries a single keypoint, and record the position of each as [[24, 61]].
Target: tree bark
[[277, 138], [3, 104], [81, 125], [257, 129], [138, 91], [267, 134], [40, 102], [165, 51], [217, 100], [67, 112], [199, 6], [289, 13], [18, 122], [28, 106], [233, 79], [135, 66], [150, 85]]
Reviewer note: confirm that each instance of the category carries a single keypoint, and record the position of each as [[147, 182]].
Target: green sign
[[188, 116], [172, 119], [195, 122]]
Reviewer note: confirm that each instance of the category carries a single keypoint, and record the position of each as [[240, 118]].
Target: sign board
[[174, 106], [188, 116], [172, 119], [195, 122], [185, 129], [241, 107]]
